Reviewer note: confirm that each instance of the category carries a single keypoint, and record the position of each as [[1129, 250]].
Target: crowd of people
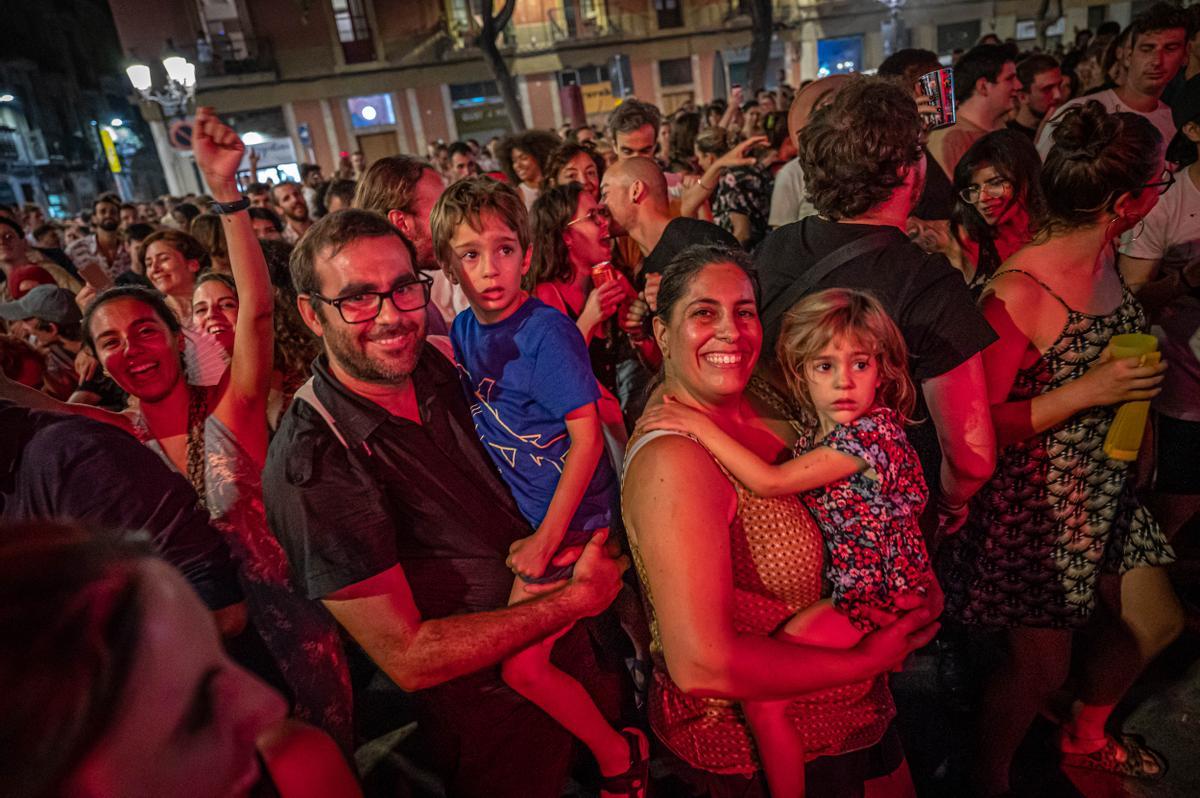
[[286, 468]]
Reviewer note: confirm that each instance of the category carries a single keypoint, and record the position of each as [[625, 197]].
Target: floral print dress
[[869, 519], [745, 190]]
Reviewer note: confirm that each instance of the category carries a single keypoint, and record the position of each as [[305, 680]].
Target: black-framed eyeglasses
[[364, 306], [992, 188], [1163, 183]]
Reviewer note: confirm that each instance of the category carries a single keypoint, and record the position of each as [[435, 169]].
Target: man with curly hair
[[863, 169]]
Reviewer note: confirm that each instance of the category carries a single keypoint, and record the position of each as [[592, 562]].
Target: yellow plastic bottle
[[1125, 435]]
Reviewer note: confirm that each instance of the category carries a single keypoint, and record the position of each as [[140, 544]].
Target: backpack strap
[[305, 393], [773, 311]]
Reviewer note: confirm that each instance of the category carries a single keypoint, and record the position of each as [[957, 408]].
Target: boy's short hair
[[465, 202]]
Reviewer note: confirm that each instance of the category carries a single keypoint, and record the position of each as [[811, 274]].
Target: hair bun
[[1085, 131]]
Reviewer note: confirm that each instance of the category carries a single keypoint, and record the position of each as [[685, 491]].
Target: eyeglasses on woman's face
[[364, 306], [597, 216], [995, 187], [1164, 182]]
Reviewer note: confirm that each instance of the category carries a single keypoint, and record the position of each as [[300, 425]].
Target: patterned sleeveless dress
[[300, 634], [777, 557], [1057, 512]]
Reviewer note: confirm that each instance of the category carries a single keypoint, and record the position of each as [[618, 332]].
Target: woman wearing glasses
[[571, 270], [998, 197], [217, 437], [1056, 541]]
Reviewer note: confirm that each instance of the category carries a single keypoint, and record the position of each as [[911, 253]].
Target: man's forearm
[[959, 408], [445, 648]]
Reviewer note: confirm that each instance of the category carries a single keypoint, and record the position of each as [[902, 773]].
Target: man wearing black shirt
[[865, 185], [634, 191], [54, 465], [393, 516]]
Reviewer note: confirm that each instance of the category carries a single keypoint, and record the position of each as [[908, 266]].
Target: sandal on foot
[[631, 783], [1108, 758]]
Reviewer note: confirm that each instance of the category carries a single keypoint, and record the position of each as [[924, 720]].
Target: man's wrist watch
[[223, 208]]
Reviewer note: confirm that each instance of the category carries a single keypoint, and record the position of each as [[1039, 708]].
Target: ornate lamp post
[[174, 100]]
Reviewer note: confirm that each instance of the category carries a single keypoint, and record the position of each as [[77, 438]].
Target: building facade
[[67, 130], [312, 80]]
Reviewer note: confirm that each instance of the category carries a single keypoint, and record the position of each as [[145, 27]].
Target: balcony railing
[[231, 55]]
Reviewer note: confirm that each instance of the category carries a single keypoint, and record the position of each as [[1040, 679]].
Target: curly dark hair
[[857, 150], [564, 155], [550, 261], [1097, 156], [909, 64], [538, 143]]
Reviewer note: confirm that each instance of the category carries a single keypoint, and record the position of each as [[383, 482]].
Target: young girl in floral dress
[[846, 364]]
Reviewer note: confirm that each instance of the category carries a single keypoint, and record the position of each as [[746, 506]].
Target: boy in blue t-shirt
[[527, 375]]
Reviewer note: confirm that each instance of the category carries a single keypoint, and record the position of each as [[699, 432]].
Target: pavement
[[1163, 706]]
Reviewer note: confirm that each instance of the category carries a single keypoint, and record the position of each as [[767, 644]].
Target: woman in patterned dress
[[723, 569], [1056, 540]]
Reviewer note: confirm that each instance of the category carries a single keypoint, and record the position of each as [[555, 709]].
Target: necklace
[[197, 415]]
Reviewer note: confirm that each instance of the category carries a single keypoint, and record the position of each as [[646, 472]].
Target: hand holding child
[[673, 415]]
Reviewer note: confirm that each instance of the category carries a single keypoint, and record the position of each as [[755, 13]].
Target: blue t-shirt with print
[[523, 376]]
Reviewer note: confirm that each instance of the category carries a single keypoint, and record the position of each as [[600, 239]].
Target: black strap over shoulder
[[772, 312]]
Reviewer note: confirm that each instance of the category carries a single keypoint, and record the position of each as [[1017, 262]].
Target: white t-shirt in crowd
[[788, 200], [1160, 117], [528, 194], [1172, 235]]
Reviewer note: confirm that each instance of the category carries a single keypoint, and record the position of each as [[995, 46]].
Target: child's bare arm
[[810, 470], [529, 556]]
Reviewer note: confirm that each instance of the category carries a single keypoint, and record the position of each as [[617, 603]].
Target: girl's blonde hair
[[824, 316]]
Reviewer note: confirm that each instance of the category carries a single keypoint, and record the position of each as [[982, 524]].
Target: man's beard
[[109, 225], [358, 364], [299, 214]]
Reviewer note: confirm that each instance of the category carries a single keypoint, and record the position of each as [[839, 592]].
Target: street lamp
[[179, 91], [175, 99]]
